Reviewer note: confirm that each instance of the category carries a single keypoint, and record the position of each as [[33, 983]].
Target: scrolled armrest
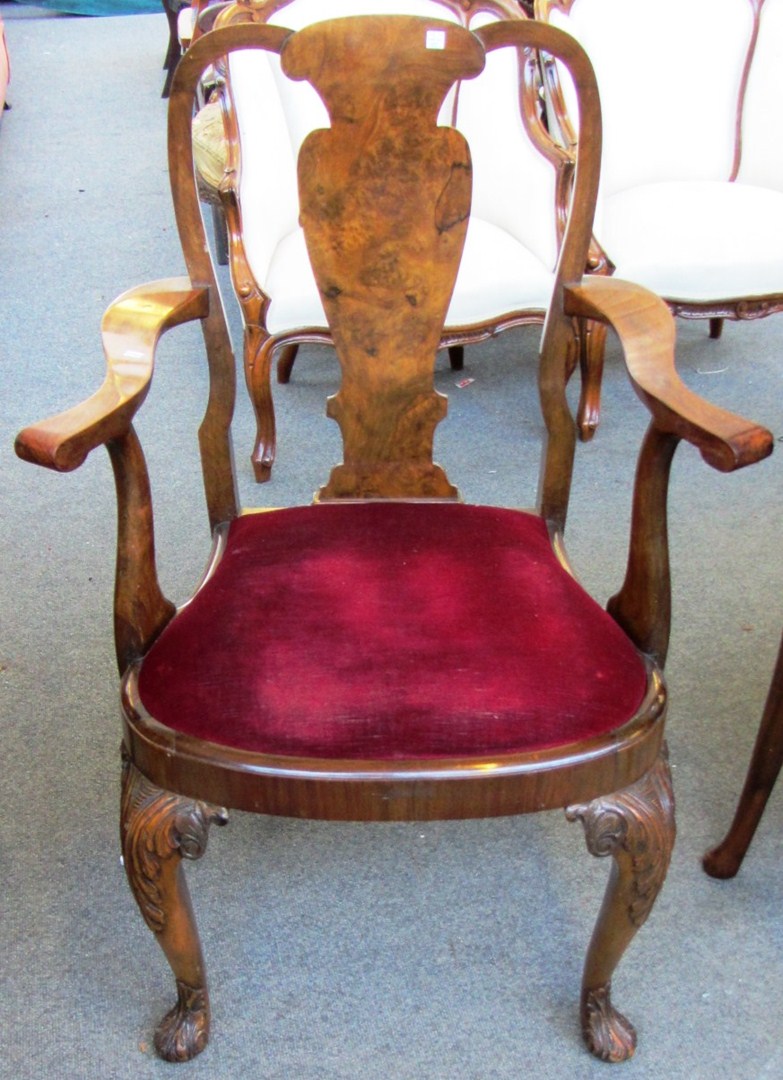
[[130, 329], [645, 328]]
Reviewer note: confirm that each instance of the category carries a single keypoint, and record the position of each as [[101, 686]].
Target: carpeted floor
[[413, 952]]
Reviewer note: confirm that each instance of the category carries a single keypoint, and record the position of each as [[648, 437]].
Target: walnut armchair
[[390, 652], [507, 270], [691, 200]]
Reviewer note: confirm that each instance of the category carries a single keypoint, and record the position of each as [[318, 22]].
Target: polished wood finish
[[387, 431], [725, 859], [389, 188]]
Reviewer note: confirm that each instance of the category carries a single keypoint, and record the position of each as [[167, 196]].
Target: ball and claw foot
[[184, 1030], [608, 1034]]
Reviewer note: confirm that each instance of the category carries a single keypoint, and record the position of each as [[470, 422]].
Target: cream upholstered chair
[[507, 271], [691, 202]]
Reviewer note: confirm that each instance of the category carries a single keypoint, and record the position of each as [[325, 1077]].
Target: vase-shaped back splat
[[385, 199]]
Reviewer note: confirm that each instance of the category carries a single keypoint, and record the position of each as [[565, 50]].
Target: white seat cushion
[[696, 240], [497, 276]]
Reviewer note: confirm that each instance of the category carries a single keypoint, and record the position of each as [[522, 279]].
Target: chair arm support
[[130, 329], [645, 328]]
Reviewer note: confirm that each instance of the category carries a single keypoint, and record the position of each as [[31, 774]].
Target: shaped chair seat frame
[[175, 784]]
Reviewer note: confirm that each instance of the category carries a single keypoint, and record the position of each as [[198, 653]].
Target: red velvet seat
[[353, 631]]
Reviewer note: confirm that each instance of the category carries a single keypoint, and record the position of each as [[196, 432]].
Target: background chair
[[725, 859], [507, 272], [184, 20], [691, 202], [5, 68], [389, 653]]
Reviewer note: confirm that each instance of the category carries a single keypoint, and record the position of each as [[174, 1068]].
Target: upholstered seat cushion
[[696, 240], [391, 631]]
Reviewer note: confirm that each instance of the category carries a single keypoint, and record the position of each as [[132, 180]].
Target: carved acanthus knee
[[158, 829], [636, 827], [157, 826]]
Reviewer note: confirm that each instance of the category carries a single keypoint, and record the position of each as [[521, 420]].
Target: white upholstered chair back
[[669, 107], [762, 121]]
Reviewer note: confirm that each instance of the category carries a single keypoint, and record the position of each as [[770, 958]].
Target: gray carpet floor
[[438, 951]]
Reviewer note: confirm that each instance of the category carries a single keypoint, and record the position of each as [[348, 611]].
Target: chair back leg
[[724, 860]]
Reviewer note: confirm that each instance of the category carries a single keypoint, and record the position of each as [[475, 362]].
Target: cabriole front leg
[[258, 360], [592, 347], [158, 830], [636, 827]]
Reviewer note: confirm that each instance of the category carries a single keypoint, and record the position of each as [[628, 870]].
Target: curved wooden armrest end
[[645, 327], [131, 328]]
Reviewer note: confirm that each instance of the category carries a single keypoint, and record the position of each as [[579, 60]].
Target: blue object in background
[[98, 7]]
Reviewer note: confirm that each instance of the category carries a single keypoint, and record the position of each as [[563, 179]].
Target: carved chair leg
[[285, 363], [258, 359], [173, 50], [457, 357], [636, 827], [766, 761], [220, 229], [592, 344], [159, 829], [716, 328]]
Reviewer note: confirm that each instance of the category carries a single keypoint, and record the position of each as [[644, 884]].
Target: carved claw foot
[[184, 1030], [608, 1034]]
